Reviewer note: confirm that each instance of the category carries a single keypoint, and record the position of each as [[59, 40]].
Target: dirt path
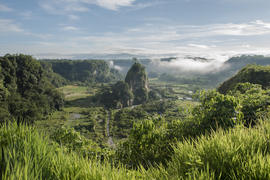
[[110, 140]]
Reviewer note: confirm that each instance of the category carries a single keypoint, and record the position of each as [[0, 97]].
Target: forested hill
[[254, 74], [86, 71], [231, 67], [237, 63], [26, 94], [234, 64]]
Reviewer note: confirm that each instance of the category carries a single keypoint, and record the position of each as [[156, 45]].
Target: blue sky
[[215, 28]]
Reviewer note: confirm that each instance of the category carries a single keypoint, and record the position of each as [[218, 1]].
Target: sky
[[215, 28]]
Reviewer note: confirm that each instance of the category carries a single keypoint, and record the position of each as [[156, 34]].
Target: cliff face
[[137, 80]]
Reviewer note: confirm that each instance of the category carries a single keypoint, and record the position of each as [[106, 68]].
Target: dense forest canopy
[[26, 93], [254, 74], [86, 71]]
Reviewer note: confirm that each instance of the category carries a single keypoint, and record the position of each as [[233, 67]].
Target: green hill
[[25, 91], [85, 71], [254, 74]]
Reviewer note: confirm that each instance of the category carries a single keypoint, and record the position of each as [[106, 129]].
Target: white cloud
[[7, 25], [64, 6], [73, 17], [155, 36], [245, 29], [76, 8], [112, 65], [114, 4], [214, 41], [4, 8], [184, 64], [70, 28], [198, 46]]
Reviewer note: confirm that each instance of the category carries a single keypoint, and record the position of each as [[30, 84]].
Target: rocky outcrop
[[137, 81]]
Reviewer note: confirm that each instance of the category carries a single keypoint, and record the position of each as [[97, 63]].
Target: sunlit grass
[[72, 92], [27, 154], [240, 153]]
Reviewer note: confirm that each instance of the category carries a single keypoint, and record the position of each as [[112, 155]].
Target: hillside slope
[[254, 74]]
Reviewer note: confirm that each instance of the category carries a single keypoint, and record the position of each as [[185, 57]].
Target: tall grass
[[239, 153], [25, 154]]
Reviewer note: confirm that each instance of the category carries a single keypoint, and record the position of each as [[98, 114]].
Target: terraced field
[[79, 113], [104, 126]]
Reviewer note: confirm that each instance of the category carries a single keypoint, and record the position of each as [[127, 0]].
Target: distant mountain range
[[91, 56]]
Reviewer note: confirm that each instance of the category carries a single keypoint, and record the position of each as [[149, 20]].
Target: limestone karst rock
[[137, 80]]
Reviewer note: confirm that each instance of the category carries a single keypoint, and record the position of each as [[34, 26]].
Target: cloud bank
[[64, 6], [8, 25], [181, 65]]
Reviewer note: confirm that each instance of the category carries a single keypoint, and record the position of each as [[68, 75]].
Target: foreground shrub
[[25, 154], [254, 101], [147, 145], [71, 140], [150, 140], [216, 110], [240, 153]]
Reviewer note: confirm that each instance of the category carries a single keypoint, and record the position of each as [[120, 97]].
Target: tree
[[254, 101], [217, 110], [25, 92]]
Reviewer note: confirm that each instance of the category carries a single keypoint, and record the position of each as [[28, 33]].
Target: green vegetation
[[133, 91], [100, 134], [116, 96], [79, 113], [27, 154], [56, 79], [241, 153], [84, 71], [235, 154], [26, 94], [251, 73]]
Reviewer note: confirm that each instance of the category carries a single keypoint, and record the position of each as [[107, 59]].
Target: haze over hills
[[200, 63]]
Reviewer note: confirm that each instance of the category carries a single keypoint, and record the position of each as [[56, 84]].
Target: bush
[[26, 154], [254, 101], [216, 110], [240, 153], [70, 140], [146, 146]]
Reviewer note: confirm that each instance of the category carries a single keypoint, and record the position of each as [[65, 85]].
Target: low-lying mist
[[193, 65]]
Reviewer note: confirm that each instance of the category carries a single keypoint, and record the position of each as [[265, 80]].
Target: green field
[[86, 117], [79, 114]]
